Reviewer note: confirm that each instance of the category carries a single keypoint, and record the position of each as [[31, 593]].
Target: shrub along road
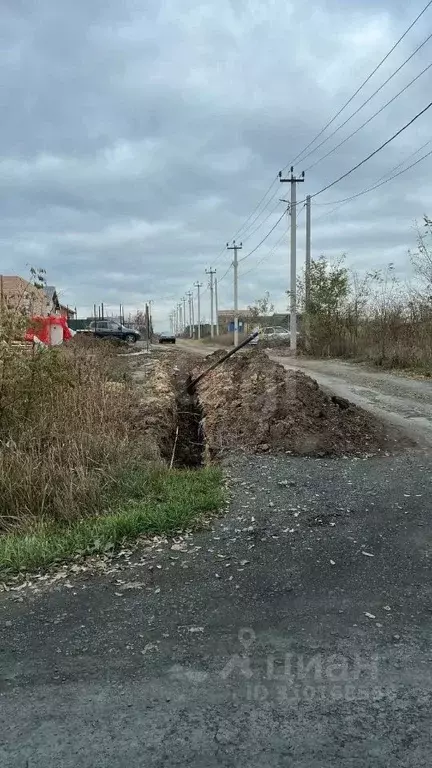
[[295, 632]]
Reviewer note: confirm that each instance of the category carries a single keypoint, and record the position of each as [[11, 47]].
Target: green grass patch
[[157, 502]]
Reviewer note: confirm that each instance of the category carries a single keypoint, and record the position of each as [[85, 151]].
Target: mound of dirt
[[253, 403]]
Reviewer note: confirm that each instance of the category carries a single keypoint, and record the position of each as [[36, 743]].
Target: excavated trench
[[190, 438], [252, 404]]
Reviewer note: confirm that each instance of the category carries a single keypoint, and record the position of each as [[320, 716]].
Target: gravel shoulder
[[295, 631]]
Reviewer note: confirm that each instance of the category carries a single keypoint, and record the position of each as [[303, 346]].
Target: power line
[[395, 168], [378, 184], [267, 255], [330, 152], [273, 210], [256, 207], [299, 156], [270, 253], [243, 228], [264, 238], [375, 152]]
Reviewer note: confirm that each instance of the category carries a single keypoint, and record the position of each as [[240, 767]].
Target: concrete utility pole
[[234, 247], [147, 321], [211, 272], [216, 306], [184, 313], [151, 301], [180, 311], [198, 286], [189, 295], [307, 272], [293, 180], [192, 315]]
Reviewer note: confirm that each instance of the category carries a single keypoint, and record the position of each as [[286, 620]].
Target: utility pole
[[189, 295], [150, 317], [216, 306], [198, 286], [293, 180], [180, 311], [306, 324], [234, 247], [184, 313], [192, 315], [147, 317], [211, 272]]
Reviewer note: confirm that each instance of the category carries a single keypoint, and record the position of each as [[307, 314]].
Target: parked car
[[167, 338], [272, 333], [108, 329]]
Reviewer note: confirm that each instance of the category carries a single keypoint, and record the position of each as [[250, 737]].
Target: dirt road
[[403, 401]]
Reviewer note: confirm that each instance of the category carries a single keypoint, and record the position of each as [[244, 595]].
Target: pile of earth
[[252, 403]]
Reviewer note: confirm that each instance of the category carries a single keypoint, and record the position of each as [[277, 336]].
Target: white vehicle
[[275, 333]]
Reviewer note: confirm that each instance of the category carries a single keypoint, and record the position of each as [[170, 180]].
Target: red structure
[[41, 328]]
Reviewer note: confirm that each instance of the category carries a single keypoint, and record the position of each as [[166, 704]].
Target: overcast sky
[[138, 136]]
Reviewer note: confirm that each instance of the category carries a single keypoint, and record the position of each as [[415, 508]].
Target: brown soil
[[162, 406], [253, 403]]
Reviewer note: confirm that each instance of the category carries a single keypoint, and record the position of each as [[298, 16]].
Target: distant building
[[52, 299], [24, 297], [226, 320], [21, 295]]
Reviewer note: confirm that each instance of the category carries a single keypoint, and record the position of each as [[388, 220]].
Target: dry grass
[[394, 339], [67, 433]]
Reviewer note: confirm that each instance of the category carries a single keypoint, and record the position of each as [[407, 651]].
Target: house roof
[[67, 309], [228, 313]]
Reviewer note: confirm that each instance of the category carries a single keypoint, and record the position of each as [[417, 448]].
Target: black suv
[[108, 329]]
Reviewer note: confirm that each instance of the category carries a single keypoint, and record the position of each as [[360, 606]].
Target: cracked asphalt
[[296, 630]]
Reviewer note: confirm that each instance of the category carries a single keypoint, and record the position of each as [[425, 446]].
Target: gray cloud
[[137, 139]]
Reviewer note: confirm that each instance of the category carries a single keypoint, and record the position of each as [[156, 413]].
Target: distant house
[[54, 303], [52, 299], [21, 295], [226, 320], [66, 312]]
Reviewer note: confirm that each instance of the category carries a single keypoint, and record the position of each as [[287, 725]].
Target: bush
[[67, 432]]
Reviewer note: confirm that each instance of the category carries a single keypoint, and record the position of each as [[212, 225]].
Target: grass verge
[[157, 502]]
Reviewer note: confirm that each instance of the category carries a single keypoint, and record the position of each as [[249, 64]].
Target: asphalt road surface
[[294, 632]]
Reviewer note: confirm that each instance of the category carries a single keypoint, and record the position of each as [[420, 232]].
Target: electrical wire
[[375, 186], [270, 253], [341, 143], [273, 210], [236, 234], [264, 238], [243, 228], [385, 175], [299, 156], [375, 152]]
